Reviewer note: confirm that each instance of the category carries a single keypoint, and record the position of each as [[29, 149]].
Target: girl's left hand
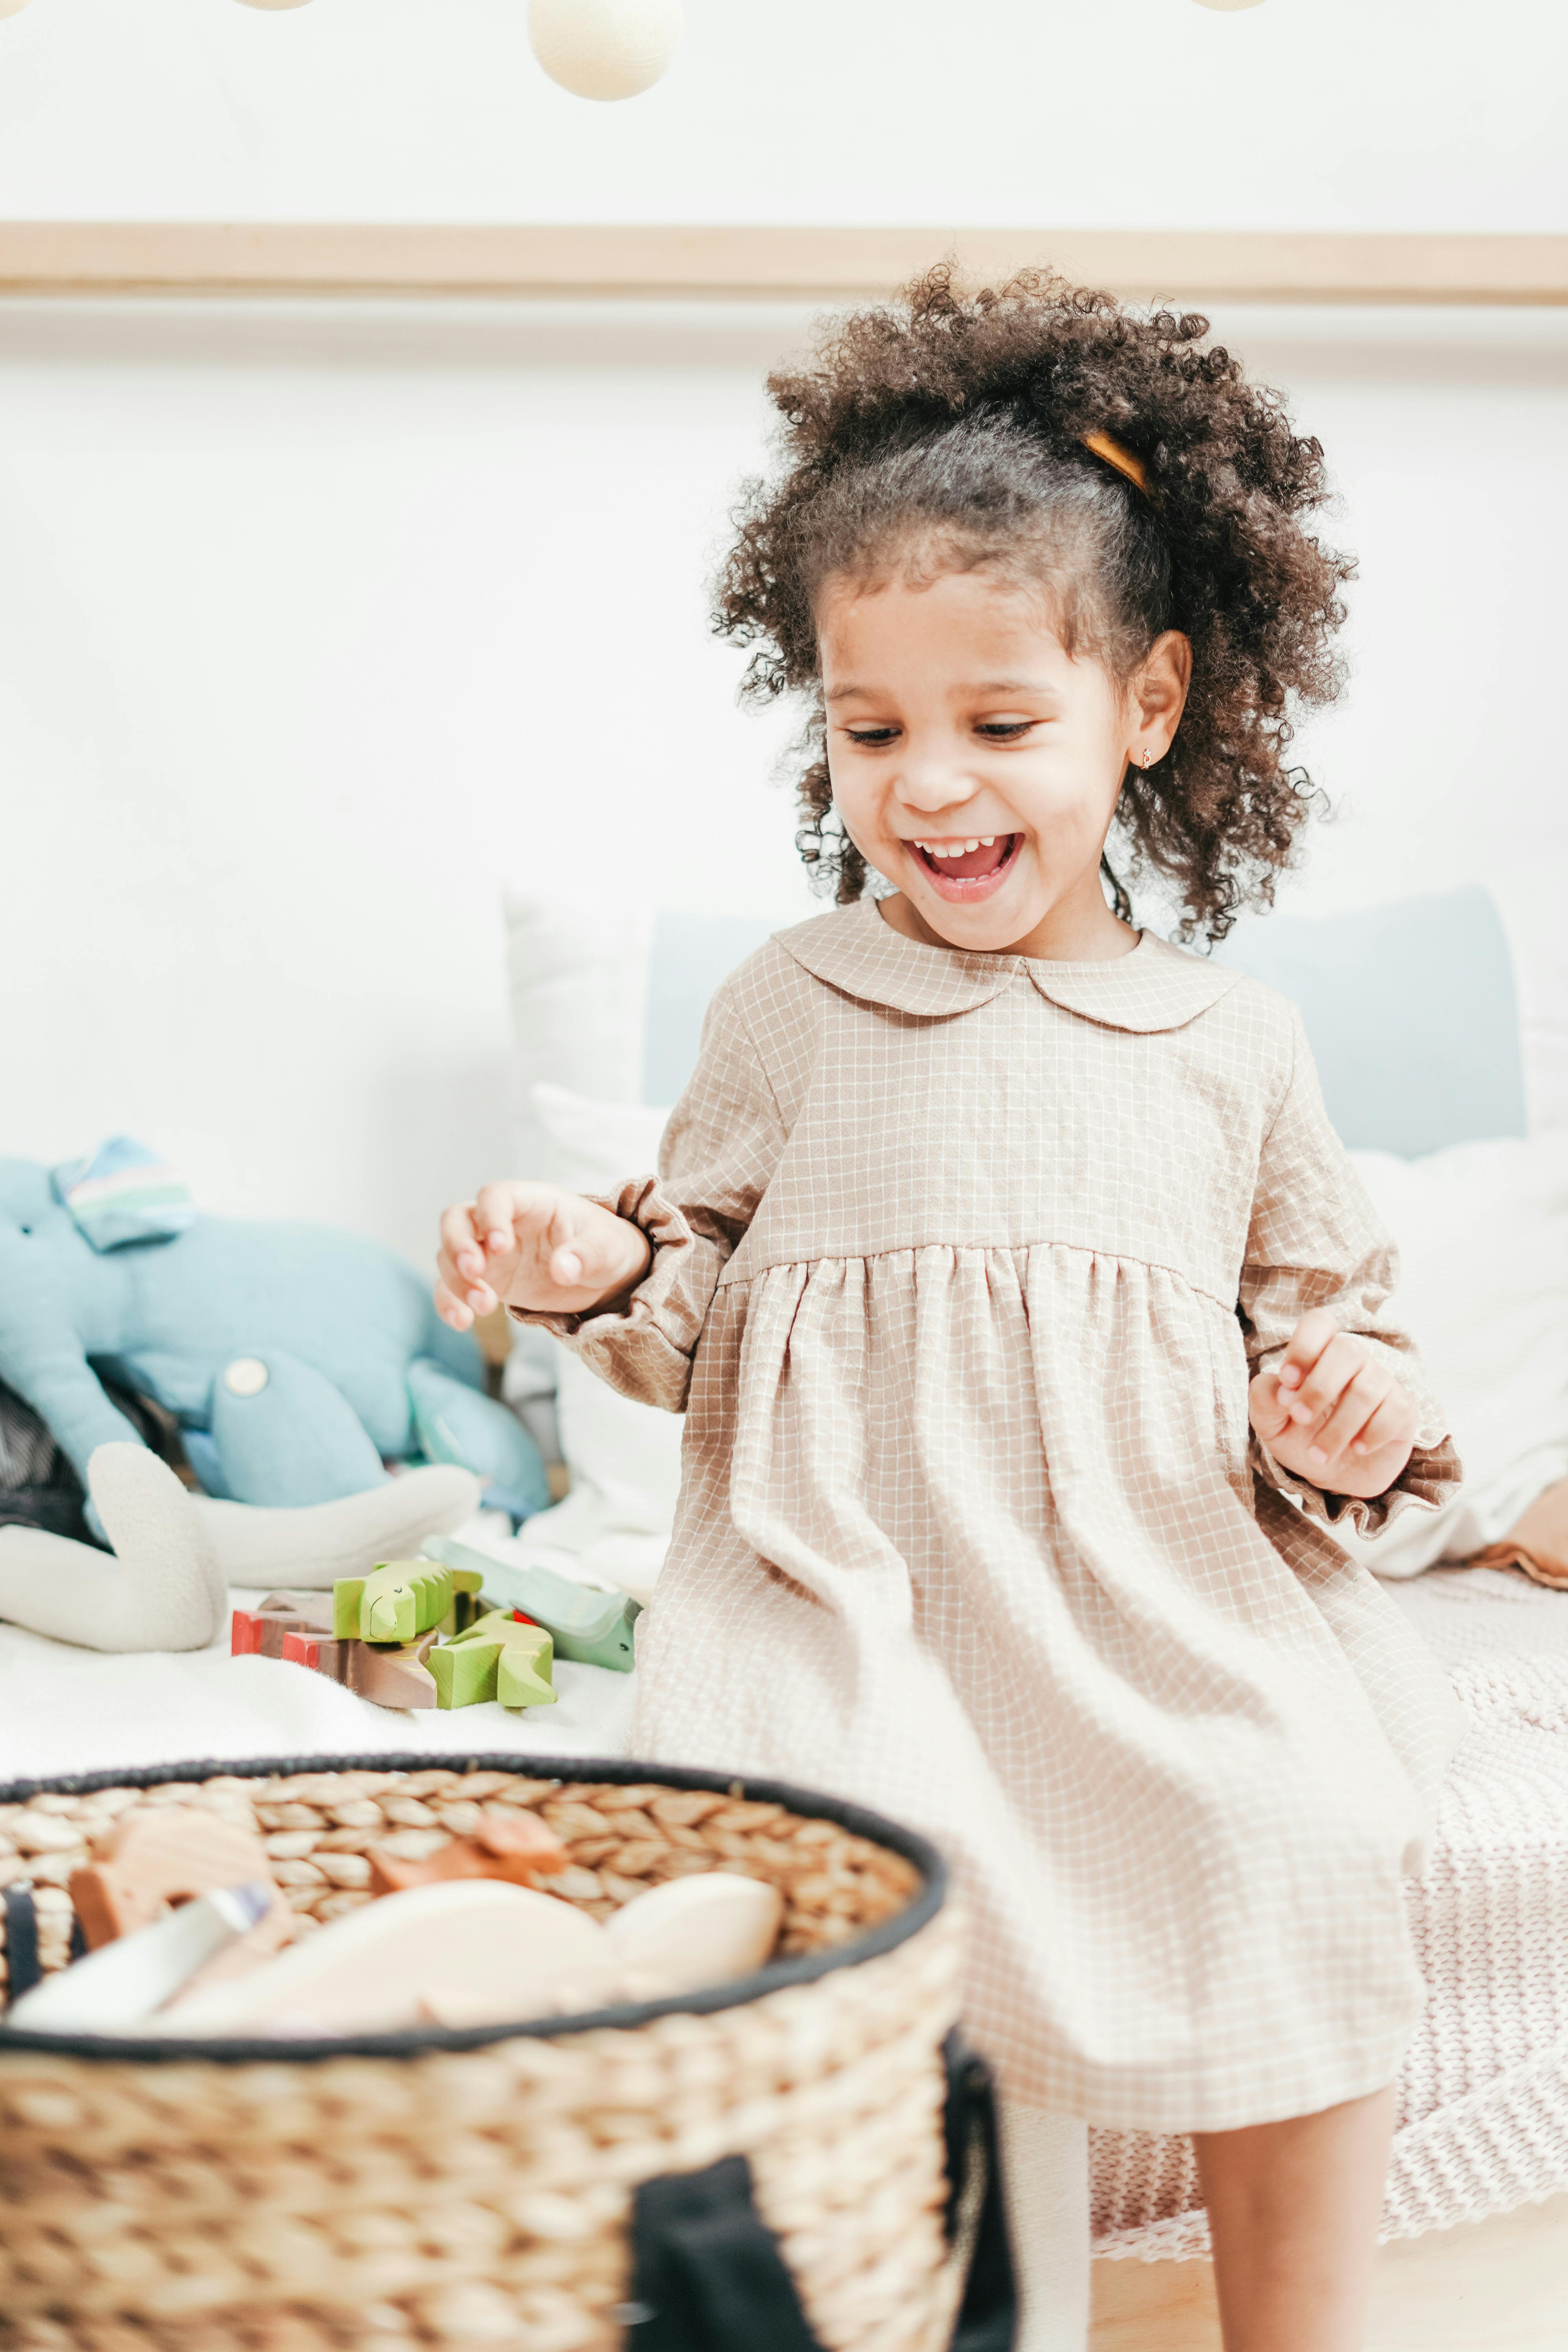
[[1333, 1414]]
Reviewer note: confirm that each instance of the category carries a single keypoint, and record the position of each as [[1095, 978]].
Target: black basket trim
[[808, 1804]]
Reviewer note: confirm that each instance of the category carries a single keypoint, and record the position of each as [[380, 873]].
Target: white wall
[[1348, 113], [314, 628], [316, 624]]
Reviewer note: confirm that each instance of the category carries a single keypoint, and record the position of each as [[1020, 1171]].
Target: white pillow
[[1483, 1232], [591, 1146], [1529, 901], [625, 1459], [578, 977]]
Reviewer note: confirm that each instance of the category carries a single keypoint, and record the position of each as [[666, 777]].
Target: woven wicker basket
[[568, 2185]]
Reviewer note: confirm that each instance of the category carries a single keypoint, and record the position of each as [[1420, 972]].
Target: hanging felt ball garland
[[605, 49], [594, 49]]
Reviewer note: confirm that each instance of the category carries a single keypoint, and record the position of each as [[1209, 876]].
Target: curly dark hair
[[951, 427]]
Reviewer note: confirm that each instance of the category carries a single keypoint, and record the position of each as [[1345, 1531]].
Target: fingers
[[461, 1292], [478, 1248], [1315, 1330], [460, 1241], [1345, 1428], [1322, 1384], [532, 1246], [1393, 1423], [494, 1214], [451, 1308], [1268, 1407], [1345, 1401]]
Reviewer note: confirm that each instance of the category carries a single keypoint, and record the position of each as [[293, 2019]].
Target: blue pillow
[[1411, 1014], [692, 954], [1410, 1011]]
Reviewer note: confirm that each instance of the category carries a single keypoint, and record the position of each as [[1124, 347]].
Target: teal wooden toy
[[498, 1657], [398, 1600], [589, 1628]]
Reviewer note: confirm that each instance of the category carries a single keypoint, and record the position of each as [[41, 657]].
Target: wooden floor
[[1494, 2286]]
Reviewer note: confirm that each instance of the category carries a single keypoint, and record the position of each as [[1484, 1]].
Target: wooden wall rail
[[293, 258]]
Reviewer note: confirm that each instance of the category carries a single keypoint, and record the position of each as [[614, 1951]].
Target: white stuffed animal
[[166, 1586]]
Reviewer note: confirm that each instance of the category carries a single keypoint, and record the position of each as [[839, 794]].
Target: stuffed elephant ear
[[309, 1546], [163, 1590]]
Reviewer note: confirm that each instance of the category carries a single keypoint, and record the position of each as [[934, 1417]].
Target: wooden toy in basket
[[763, 2164]]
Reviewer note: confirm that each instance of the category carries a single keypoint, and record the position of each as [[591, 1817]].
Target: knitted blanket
[[1483, 2096]]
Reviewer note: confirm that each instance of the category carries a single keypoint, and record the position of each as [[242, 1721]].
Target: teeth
[[956, 848]]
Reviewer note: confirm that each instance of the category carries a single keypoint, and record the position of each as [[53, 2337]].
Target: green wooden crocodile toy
[[588, 1627], [498, 1658], [401, 1599]]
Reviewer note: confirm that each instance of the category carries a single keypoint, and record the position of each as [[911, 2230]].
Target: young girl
[[1028, 1316]]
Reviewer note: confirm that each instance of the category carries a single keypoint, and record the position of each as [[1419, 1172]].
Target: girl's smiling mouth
[[965, 869]]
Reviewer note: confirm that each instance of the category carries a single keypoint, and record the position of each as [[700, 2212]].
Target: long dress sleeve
[[1315, 1240], [720, 1150]]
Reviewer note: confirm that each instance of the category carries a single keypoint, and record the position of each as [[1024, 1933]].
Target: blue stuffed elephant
[[295, 1360]]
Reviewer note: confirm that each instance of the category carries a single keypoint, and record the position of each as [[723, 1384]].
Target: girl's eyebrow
[[985, 686]]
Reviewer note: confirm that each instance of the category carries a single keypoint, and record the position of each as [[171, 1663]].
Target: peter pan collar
[[1156, 986]]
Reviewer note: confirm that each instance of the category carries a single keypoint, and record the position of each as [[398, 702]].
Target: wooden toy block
[[316, 1607], [152, 1860], [260, 1631], [398, 1601], [321, 1653], [500, 1657], [467, 1602], [517, 1851], [589, 1628], [522, 1670], [393, 1676], [466, 1672]]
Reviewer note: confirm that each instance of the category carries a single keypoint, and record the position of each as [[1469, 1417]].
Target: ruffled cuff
[[643, 1343], [1429, 1479]]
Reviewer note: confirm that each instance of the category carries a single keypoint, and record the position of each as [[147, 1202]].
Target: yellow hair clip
[[1122, 459]]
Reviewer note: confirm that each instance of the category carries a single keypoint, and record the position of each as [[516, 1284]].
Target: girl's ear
[[1158, 696]]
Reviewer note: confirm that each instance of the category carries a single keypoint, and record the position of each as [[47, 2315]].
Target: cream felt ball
[[273, 3], [605, 49], [1230, 4], [12, 7]]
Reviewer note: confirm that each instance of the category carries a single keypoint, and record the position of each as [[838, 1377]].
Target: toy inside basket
[[442, 2187]]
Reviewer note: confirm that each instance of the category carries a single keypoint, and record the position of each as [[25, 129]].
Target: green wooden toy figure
[[401, 1599], [589, 1628], [498, 1657]]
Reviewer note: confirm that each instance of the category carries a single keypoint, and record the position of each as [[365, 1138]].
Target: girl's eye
[[1003, 731], [870, 734]]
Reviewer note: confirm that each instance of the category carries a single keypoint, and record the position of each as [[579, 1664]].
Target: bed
[[604, 1036]]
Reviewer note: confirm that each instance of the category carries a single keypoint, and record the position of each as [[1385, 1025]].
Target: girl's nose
[[930, 787]]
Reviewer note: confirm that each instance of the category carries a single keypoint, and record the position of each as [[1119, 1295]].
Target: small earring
[[1148, 755]]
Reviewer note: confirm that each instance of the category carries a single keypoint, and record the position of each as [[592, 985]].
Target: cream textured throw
[[1483, 2109]]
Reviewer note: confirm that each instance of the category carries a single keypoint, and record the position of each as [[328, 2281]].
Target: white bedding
[[65, 1710]]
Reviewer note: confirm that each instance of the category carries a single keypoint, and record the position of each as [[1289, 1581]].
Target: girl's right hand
[[533, 1245]]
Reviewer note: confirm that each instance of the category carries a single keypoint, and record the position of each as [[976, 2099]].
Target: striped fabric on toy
[[123, 1193]]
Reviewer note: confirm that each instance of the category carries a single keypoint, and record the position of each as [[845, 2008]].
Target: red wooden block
[[245, 1634]]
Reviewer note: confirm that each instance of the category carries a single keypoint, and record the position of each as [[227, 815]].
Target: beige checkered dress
[[961, 1263]]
